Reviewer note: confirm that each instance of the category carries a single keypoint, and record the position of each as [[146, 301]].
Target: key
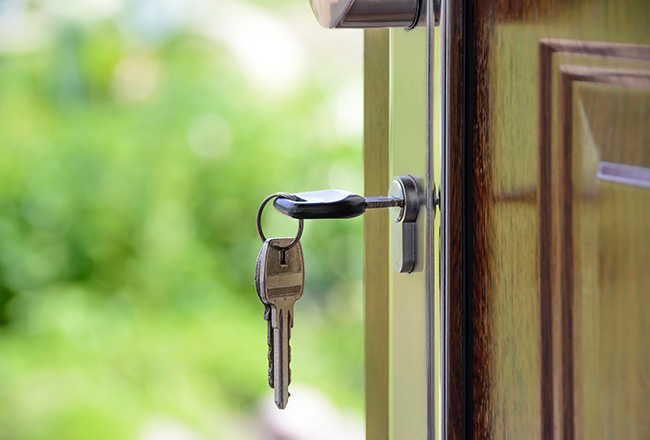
[[332, 203], [267, 315], [279, 281]]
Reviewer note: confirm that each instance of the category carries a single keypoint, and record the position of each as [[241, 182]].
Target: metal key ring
[[301, 222]]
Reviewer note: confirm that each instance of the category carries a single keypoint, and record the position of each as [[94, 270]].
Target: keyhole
[[284, 257]]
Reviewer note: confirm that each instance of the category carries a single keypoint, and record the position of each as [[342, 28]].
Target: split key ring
[[301, 222]]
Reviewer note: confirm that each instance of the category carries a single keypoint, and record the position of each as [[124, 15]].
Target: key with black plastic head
[[331, 203]]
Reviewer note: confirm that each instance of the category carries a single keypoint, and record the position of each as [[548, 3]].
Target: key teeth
[[269, 354], [270, 359]]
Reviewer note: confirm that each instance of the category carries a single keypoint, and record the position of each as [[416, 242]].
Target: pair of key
[[280, 273], [279, 281]]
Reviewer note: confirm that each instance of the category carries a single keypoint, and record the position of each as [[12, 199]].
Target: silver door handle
[[367, 13]]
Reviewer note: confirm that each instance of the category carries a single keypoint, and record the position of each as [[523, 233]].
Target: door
[[545, 212], [536, 324]]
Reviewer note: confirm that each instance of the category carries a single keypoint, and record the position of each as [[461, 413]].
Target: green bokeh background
[[127, 237]]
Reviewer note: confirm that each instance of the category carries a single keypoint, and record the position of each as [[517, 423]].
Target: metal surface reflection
[[366, 13]]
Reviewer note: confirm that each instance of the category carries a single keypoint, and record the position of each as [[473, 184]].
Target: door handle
[[367, 13]]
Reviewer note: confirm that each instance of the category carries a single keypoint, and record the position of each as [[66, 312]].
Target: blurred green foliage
[[127, 238]]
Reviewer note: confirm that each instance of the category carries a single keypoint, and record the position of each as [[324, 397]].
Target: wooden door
[[546, 230]]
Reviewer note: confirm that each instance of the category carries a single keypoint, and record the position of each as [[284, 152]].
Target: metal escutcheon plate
[[405, 226]]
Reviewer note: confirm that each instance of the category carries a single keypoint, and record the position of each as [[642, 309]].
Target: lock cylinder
[[405, 243], [363, 14]]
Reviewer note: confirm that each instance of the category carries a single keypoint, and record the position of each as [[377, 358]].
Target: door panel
[[604, 231], [593, 95]]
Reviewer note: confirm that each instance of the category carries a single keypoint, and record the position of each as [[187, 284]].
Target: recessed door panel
[[604, 229]]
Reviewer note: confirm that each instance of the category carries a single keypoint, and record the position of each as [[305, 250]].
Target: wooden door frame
[[455, 251], [456, 217], [376, 224], [392, 76]]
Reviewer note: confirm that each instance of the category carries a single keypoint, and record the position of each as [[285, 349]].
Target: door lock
[[405, 199]]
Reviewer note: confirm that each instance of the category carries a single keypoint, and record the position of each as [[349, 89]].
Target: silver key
[[267, 316], [279, 281]]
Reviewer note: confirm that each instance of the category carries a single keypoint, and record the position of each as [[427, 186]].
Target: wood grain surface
[[456, 341], [532, 258], [605, 240]]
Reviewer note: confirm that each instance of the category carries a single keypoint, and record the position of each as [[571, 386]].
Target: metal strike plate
[[405, 227]]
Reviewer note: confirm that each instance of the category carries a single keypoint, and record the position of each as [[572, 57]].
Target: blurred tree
[[132, 164]]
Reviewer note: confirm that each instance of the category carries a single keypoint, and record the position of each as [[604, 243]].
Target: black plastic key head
[[330, 203]]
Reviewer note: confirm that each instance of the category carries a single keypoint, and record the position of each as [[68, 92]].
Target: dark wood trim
[[456, 202], [545, 234], [569, 75], [566, 273], [552, 46]]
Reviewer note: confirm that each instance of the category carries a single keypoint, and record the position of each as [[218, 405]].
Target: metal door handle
[[367, 13]]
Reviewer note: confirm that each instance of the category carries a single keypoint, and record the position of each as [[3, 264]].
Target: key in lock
[[279, 271], [406, 198]]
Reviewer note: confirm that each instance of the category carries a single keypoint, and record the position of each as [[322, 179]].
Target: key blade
[[383, 202], [281, 334]]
